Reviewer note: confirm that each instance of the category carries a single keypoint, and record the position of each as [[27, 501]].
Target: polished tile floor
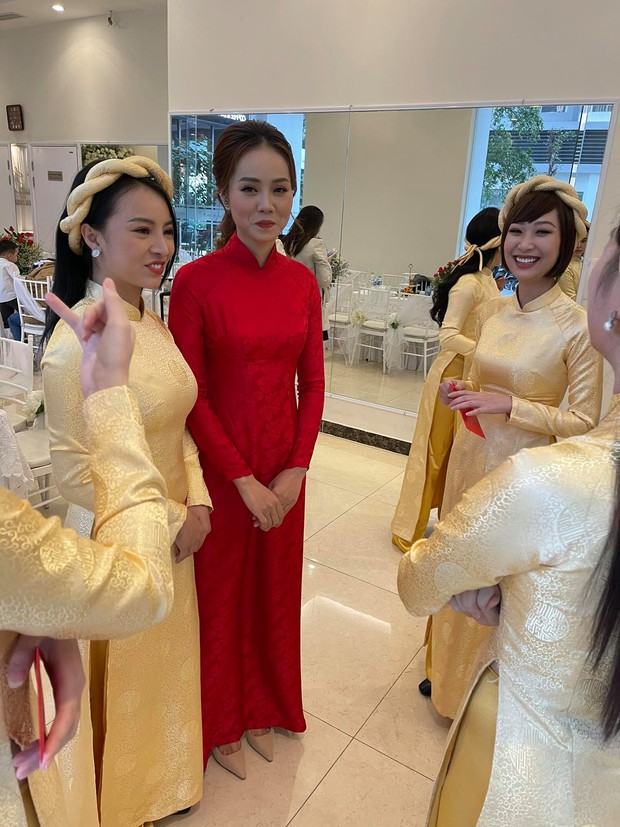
[[373, 743], [364, 380]]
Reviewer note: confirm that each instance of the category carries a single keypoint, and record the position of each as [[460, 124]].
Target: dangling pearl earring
[[96, 252], [611, 321]]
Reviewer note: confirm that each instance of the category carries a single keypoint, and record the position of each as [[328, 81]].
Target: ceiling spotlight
[[57, 7]]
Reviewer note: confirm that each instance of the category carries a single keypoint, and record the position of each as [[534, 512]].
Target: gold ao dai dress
[[536, 526], [534, 353], [436, 425], [56, 583], [145, 690], [570, 278]]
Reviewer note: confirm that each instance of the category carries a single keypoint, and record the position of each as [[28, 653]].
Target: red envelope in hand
[[472, 423], [40, 705]]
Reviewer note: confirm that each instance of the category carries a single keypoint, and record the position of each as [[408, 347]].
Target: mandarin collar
[[542, 301], [237, 248], [95, 291]]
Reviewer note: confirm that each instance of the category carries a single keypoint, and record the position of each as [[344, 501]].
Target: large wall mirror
[[397, 189]]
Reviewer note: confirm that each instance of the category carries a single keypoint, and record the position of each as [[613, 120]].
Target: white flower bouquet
[[357, 318]]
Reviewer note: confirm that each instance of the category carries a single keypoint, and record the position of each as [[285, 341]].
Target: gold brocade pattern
[[535, 354], [458, 339], [55, 582], [152, 761], [570, 278], [536, 525]]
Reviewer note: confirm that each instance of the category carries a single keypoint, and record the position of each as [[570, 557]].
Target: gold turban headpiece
[[543, 183], [100, 176]]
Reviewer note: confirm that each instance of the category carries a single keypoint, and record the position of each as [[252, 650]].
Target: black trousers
[[7, 309]]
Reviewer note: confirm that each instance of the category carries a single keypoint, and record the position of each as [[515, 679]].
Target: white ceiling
[[37, 12]]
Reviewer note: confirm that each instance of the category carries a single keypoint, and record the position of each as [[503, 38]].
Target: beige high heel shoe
[[263, 744], [235, 762]]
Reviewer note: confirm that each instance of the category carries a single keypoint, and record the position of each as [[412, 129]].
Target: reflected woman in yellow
[[533, 348], [536, 742], [457, 299], [145, 745]]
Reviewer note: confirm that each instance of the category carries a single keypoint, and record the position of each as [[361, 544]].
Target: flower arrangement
[[340, 267], [357, 318], [28, 250], [393, 321], [100, 152], [441, 275]]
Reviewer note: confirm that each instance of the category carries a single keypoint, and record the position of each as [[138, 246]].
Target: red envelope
[[472, 423], [40, 704]]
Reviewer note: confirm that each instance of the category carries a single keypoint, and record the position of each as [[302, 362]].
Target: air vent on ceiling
[[10, 15]]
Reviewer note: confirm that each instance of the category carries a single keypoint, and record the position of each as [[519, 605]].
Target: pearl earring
[[96, 252], [611, 321]]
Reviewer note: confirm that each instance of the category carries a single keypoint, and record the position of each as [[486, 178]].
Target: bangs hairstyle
[[533, 206]]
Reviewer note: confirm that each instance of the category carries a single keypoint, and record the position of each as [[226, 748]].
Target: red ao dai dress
[[247, 331]]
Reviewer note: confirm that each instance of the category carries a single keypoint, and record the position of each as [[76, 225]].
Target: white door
[[53, 170], [7, 198]]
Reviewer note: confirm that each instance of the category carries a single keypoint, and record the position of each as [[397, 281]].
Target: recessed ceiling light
[[57, 7]]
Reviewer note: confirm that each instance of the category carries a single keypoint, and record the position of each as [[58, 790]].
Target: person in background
[[570, 278], [532, 349], [119, 223], [303, 244], [248, 321], [537, 739], [457, 300], [8, 299], [57, 584]]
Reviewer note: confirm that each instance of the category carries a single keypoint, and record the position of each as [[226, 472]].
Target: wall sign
[[15, 117]]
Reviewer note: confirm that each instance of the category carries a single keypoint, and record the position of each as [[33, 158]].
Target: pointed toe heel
[[263, 744], [234, 763]]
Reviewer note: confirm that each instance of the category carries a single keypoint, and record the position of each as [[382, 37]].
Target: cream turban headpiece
[[543, 183], [100, 176], [472, 249]]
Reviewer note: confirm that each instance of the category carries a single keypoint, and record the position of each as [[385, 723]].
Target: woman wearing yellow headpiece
[[532, 349], [142, 761], [537, 743], [457, 299]]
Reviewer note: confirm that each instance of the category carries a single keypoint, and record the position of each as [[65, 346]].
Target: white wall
[[302, 55], [83, 80], [404, 188]]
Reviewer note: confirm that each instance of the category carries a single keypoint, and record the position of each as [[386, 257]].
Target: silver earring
[[96, 252], [611, 321]]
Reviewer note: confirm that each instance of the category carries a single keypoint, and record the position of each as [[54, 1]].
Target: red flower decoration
[[30, 242]]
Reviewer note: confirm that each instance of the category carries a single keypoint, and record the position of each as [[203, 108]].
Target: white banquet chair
[[420, 332], [31, 305]]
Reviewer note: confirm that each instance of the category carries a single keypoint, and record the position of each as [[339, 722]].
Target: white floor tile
[[356, 473], [356, 641], [359, 543], [367, 789], [406, 726], [324, 503]]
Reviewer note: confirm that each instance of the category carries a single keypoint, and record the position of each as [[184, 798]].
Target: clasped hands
[[474, 402], [482, 605], [269, 504]]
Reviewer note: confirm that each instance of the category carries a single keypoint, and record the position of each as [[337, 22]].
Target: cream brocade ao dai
[[535, 354], [145, 690], [436, 424], [536, 526]]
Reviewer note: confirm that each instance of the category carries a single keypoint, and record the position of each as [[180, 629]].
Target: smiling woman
[[533, 348], [126, 230]]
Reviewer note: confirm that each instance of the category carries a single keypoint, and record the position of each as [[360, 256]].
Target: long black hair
[[72, 271], [306, 226], [606, 632], [482, 228]]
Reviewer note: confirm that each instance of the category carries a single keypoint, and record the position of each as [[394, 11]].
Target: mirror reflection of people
[[540, 744], [456, 305], [56, 583], [570, 278], [304, 245], [119, 223], [248, 320], [532, 349]]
